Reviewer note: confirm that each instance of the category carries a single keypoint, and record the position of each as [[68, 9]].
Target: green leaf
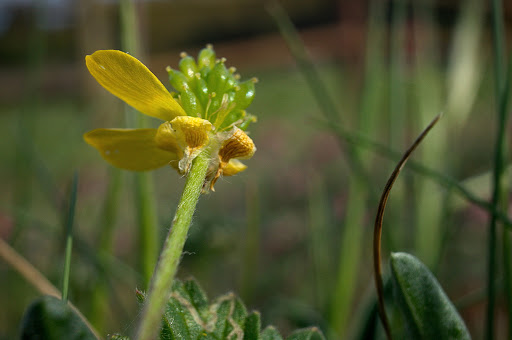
[[239, 312], [231, 314], [252, 326], [51, 318], [174, 322], [427, 311], [196, 294], [312, 333], [189, 316], [271, 333]]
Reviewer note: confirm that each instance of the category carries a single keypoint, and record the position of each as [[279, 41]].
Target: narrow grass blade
[[144, 187], [70, 217], [428, 94], [498, 199], [358, 171], [350, 252], [313, 79]]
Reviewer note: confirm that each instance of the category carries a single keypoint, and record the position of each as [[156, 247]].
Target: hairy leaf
[[427, 311]]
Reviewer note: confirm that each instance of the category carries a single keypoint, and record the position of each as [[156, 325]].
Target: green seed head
[[209, 90]]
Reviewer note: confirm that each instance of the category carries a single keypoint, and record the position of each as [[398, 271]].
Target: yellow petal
[[192, 131], [189, 135], [127, 78], [233, 167], [131, 149], [166, 139]]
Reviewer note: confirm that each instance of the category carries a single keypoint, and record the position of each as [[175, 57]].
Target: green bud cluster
[[208, 90]]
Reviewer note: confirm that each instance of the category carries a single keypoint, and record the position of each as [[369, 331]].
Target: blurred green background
[[292, 234]]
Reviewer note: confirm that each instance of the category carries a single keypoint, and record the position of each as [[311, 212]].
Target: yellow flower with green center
[[207, 111]]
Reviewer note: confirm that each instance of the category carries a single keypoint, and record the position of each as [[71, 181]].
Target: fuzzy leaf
[[271, 333], [51, 318], [189, 316], [427, 311], [174, 323], [231, 314], [312, 333], [252, 326], [197, 296]]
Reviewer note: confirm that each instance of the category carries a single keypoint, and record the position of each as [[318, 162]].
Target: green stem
[[161, 283], [69, 237], [507, 276], [130, 27], [498, 161], [148, 226]]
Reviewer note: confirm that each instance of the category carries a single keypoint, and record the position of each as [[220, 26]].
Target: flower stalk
[[167, 266], [202, 137]]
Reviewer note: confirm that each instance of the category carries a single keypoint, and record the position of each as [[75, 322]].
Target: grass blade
[[70, 217], [499, 155]]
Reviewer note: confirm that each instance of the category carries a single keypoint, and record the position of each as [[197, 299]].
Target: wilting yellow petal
[[131, 149], [188, 134], [238, 145], [127, 78], [233, 167]]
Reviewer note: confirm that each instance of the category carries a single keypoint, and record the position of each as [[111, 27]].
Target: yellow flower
[[208, 111]]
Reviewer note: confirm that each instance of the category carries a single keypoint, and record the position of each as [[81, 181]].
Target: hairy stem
[[161, 283]]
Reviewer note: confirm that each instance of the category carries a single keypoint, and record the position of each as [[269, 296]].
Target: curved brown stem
[[377, 232]]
